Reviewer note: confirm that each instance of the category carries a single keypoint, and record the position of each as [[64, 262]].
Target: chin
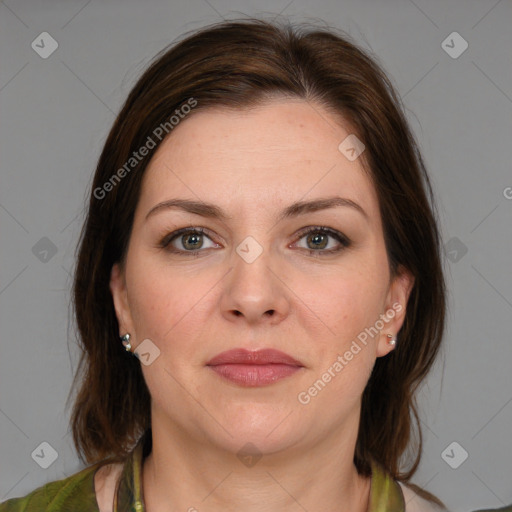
[[268, 430]]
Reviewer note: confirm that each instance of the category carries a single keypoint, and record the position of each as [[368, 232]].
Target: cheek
[[171, 306], [348, 300], [160, 297]]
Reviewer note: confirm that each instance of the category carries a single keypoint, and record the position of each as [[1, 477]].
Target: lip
[[256, 357], [254, 368]]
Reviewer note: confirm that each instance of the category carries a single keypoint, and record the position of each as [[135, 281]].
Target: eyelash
[[342, 239]]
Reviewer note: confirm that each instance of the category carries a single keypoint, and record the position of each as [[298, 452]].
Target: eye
[[318, 238], [190, 239]]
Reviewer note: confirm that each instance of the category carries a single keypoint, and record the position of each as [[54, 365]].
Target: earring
[[126, 342], [391, 341]]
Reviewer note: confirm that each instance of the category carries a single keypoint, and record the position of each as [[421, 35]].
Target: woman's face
[[256, 279]]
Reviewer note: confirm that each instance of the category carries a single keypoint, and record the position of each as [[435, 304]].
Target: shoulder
[[415, 503], [76, 493]]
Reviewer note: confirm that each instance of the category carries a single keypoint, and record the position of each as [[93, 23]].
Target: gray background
[[55, 115]]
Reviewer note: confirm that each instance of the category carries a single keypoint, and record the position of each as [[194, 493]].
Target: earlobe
[[387, 343]]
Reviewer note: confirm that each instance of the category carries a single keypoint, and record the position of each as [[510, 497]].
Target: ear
[[395, 309], [120, 298]]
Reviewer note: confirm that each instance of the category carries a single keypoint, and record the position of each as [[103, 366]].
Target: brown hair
[[238, 64]]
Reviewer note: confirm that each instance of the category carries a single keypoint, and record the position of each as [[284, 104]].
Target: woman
[[261, 235]]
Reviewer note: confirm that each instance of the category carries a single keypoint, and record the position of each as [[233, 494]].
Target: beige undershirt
[[105, 481]]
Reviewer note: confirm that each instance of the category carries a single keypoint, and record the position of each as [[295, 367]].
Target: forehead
[[273, 154]]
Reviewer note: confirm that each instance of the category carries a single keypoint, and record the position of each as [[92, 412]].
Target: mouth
[[253, 369]]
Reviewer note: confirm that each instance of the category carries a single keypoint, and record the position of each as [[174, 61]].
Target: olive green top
[[76, 493]]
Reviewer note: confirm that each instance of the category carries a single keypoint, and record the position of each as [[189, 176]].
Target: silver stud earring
[[126, 342], [391, 341]]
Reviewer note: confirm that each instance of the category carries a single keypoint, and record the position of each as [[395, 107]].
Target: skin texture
[[253, 164]]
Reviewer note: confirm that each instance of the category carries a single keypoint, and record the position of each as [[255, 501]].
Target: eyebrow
[[212, 211]]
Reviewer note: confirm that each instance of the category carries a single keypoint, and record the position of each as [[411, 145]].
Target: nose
[[255, 292]]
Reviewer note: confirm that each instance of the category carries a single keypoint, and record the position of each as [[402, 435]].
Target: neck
[[183, 473]]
